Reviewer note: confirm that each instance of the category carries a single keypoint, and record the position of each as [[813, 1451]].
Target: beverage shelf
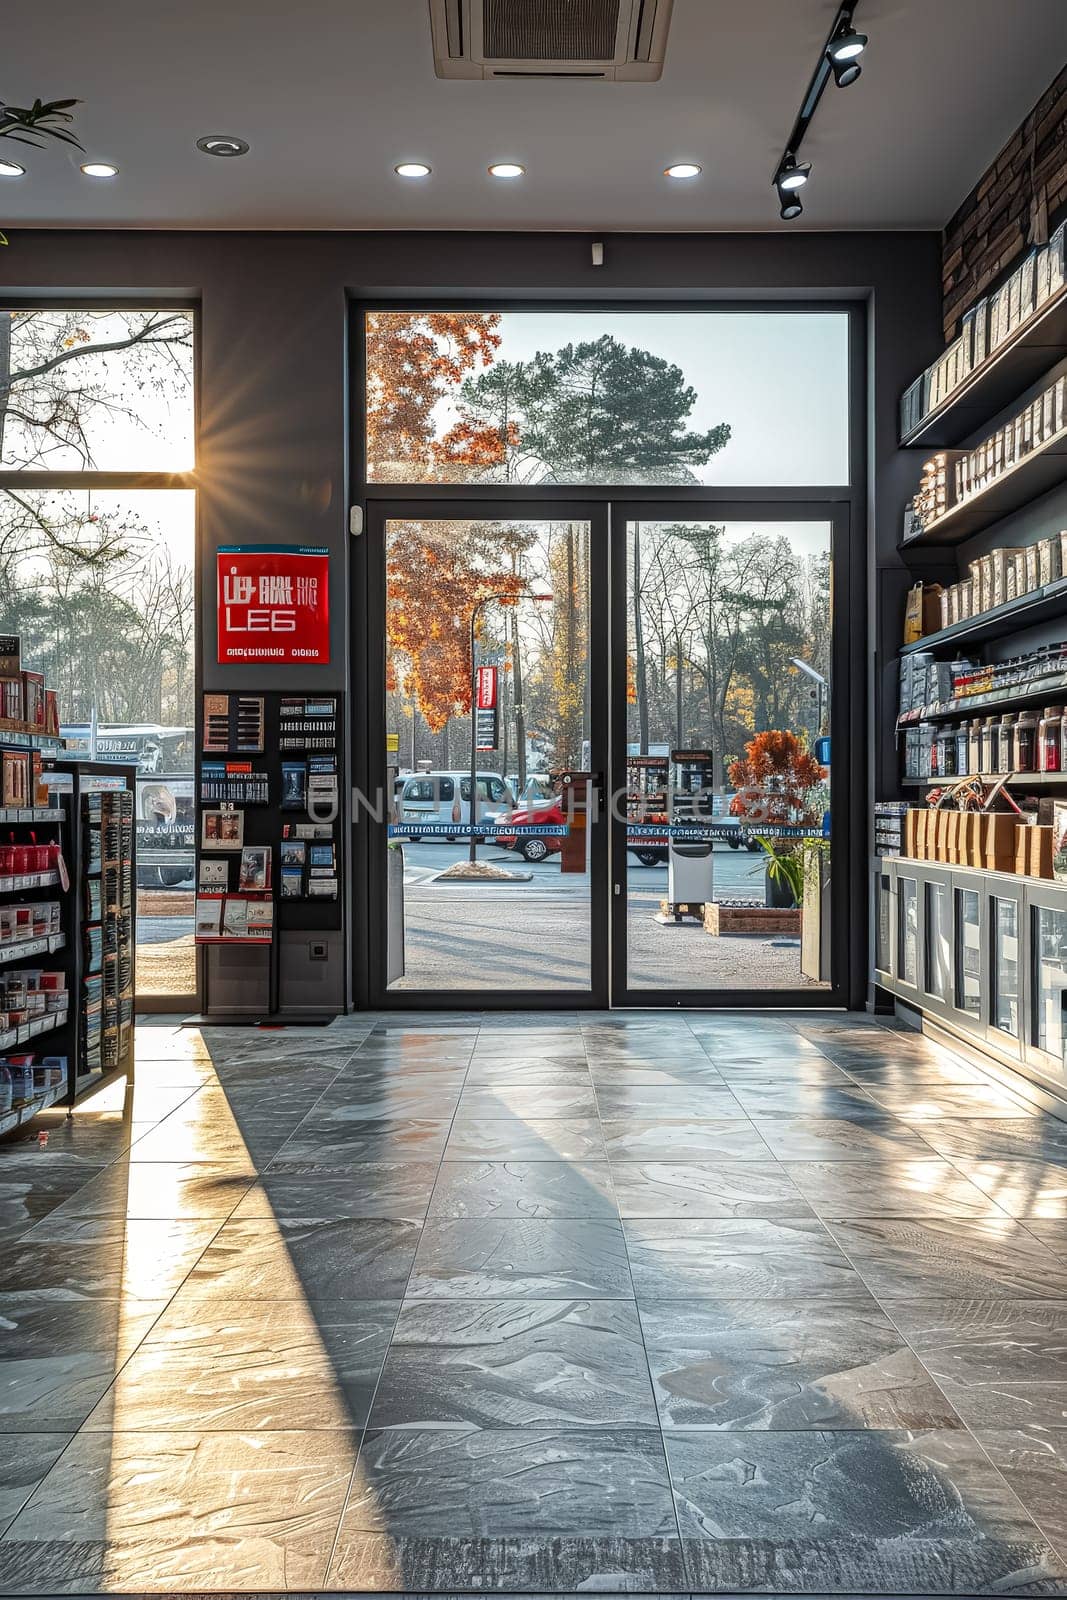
[[1001, 700], [1023, 780], [1039, 605], [996, 382]]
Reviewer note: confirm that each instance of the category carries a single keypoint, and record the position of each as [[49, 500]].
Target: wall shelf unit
[[1028, 479], [1020, 361], [1025, 780], [1040, 605]]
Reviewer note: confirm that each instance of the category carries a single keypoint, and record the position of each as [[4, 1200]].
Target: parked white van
[[445, 797]]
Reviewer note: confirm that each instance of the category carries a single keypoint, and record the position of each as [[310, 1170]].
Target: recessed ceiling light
[[506, 169], [222, 144], [11, 169], [100, 169], [412, 169], [682, 169]]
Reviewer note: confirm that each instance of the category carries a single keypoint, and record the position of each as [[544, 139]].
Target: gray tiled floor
[[672, 1304]]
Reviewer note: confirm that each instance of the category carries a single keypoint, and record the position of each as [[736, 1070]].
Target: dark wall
[[273, 308]]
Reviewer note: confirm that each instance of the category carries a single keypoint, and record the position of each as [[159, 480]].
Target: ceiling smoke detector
[[619, 40]]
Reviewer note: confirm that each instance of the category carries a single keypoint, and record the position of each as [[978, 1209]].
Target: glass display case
[[1006, 971], [908, 931], [938, 942], [1049, 942], [968, 987]]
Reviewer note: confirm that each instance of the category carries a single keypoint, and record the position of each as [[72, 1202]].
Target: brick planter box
[[722, 919]]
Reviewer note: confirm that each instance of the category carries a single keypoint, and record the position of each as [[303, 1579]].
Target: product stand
[[64, 1033], [242, 978]]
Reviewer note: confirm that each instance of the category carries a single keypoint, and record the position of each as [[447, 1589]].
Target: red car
[[538, 846], [541, 814]]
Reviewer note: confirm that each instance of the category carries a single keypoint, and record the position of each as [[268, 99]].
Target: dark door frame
[[374, 838], [848, 904]]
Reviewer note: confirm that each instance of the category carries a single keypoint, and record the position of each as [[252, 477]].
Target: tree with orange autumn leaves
[[774, 777], [412, 362], [438, 572]]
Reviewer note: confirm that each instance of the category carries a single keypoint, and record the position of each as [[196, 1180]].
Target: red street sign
[[273, 603], [486, 696]]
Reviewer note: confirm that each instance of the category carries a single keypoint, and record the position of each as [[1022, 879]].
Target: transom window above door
[[604, 397]]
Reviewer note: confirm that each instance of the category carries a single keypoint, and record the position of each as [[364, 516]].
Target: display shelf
[[18, 882], [997, 381], [1027, 479], [17, 739], [10, 814], [10, 1120], [1026, 780], [11, 1038], [21, 948], [1039, 605], [1002, 700]]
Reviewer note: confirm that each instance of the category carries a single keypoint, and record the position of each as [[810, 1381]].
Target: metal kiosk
[[690, 862]]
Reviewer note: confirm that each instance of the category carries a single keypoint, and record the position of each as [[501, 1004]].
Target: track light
[[791, 206], [793, 174], [843, 53]]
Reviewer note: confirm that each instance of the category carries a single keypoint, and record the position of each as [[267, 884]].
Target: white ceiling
[[331, 94]]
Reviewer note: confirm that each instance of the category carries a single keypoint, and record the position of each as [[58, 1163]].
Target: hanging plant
[[35, 125]]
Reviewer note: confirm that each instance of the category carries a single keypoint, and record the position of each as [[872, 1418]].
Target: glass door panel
[[487, 858], [728, 669]]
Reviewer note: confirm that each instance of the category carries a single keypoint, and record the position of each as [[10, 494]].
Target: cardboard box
[[1022, 848], [911, 830], [1041, 852], [998, 840]]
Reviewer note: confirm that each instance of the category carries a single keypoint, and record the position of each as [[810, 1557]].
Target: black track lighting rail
[[825, 69]]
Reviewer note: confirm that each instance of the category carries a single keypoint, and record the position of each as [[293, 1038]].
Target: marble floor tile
[[830, 1139], [925, 1102], [58, 1358], [620, 1074], [529, 1100], [523, 1189], [1035, 1467], [1008, 1139], [739, 1364], [259, 1508], [329, 1147], [680, 1139], [1021, 1188], [780, 1098], [870, 1071], [940, 1257], [1003, 1363], [160, 1191], [29, 1193], [370, 1189], [548, 1259], [24, 1461], [569, 1072], [706, 1189], [1051, 1232], [812, 1070], [879, 1188], [257, 1259], [513, 1482], [608, 1566], [103, 1259], [897, 1512], [516, 1364], [257, 1366], [697, 1101], [363, 1101], [525, 1139], [737, 1258]]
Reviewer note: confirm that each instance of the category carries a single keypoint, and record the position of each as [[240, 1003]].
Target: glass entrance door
[[487, 874], [725, 697]]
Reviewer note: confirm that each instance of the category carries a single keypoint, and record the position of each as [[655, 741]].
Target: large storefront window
[[607, 398], [97, 576]]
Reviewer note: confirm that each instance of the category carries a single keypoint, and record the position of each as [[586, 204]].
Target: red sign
[[486, 700], [273, 603]]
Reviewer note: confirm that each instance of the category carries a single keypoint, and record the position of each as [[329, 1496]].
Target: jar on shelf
[[974, 731], [1049, 740], [1025, 745], [1007, 742], [946, 755], [962, 733], [992, 759]]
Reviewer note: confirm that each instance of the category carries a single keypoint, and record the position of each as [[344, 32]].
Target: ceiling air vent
[[621, 40]]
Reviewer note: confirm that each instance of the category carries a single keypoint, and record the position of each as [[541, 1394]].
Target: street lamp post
[[820, 684]]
